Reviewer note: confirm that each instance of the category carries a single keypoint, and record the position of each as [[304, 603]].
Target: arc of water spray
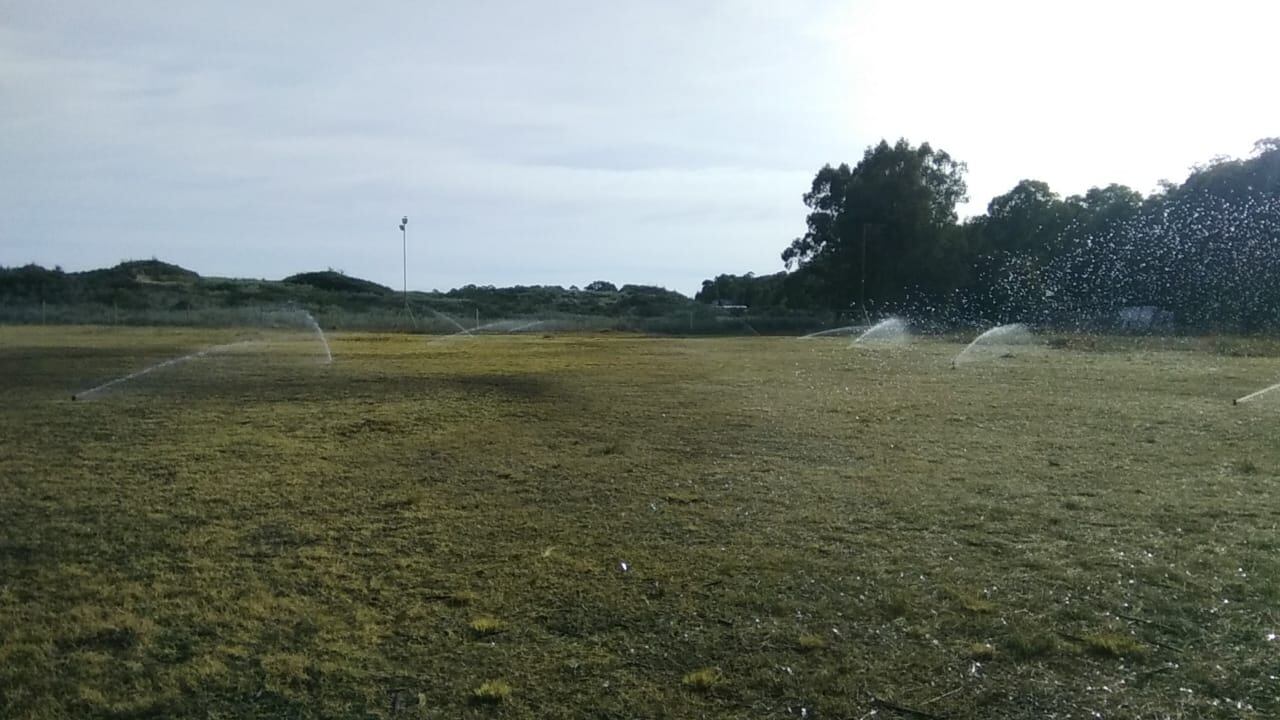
[[461, 330], [890, 329], [1014, 330], [328, 356], [152, 368], [846, 330], [509, 326], [503, 325], [1253, 395]]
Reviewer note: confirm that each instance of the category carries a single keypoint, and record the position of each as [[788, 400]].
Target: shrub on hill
[[337, 281]]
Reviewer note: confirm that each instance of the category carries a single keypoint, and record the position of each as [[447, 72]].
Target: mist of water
[[158, 366], [461, 330], [526, 326], [997, 337], [507, 326], [846, 330], [328, 355], [889, 330], [1255, 395], [495, 327]]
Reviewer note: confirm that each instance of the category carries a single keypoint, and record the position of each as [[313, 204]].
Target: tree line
[[883, 237]]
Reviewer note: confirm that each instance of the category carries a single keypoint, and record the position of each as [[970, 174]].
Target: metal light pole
[[404, 251], [862, 268]]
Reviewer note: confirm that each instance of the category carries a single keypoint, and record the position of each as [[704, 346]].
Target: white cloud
[[564, 142]]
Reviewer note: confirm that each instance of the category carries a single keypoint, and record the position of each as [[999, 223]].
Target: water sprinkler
[[1253, 395]]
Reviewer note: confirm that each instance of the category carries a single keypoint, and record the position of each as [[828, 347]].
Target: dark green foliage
[[31, 282], [1029, 220], [649, 301], [337, 281], [155, 293], [145, 271], [883, 226], [131, 284], [882, 237], [749, 290], [1234, 177], [629, 301]]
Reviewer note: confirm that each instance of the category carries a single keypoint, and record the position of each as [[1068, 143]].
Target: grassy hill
[[151, 292]]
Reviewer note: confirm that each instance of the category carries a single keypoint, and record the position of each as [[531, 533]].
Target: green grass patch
[[462, 598], [982, 651], [702, 680], [1028, 644], [257, 533], [1113, 645], [485, 626], [491, 692], [971, 602], [811, 642]]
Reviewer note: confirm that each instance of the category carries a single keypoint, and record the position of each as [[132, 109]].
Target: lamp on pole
[[404, 252]]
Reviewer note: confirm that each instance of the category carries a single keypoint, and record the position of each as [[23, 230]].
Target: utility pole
[[862, 268], [404, 252]]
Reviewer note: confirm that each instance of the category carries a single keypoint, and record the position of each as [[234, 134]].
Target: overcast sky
[[563, 142]]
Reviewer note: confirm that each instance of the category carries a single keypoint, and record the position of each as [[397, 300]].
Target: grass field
[[624, 527]]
